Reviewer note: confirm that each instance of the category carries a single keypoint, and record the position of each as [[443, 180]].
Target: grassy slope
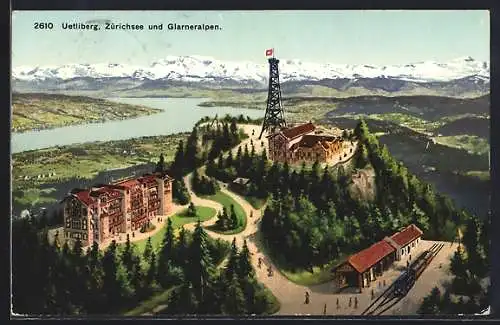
[[178, 220], [226, 201], [43, 111]]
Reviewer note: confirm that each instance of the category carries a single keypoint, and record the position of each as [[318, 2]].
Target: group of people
[[270, 271], [308, 300]]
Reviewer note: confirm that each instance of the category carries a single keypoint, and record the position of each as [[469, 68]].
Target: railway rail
[[402, 285]]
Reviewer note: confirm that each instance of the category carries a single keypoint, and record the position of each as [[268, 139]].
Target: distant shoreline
[[45, 111]]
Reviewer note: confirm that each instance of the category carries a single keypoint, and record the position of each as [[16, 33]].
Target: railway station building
[[362, 268], [365, 266], [405, 240]]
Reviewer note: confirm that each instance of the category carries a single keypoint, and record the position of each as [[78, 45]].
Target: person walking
[[324, 310], [259, 263], [350, 301], [355, 302], [338, 304], [269, 271], [307, 298]]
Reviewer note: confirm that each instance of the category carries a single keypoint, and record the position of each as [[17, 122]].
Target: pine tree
[[191, 159], [182, 248], [148, 250], [361, 157], [245, 165], [201, 265], [211, 167], [151, 283], [233, 262], [234, 130], [226, 137], [127, 255], [234, 302], [245, 269], [238, 159], [420, 218], [137, 278], [176, 169], [233, 218], [115, 286], [191, 210], [220, 162], [160, 166], [222, 220], [94, 302], [229, 160], [475, 251], [361, 131], [166, 253]]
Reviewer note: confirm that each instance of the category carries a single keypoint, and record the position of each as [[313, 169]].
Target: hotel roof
[[147, 179], [129, 183], [106, 189], [298, 130], [84, 197]]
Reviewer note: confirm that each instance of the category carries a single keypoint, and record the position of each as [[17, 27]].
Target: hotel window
[[85, 236], [84, 224], [402, 252]]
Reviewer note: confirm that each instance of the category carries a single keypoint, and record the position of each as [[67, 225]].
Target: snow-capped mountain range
[[206, 69]]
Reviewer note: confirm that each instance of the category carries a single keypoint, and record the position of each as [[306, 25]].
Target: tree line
[[227, 221], [205, 142], [203, 185], [232, 290], [54, 280]]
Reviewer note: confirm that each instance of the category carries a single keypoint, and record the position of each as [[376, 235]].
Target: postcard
[[250, 163]]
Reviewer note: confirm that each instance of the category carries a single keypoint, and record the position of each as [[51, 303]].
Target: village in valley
[[280, 213]]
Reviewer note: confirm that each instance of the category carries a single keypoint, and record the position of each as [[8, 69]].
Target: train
[[407, 279]]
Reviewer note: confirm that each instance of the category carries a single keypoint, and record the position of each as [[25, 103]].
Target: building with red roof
[[405, 240], [107, 210], [362, 268], [302, 143]]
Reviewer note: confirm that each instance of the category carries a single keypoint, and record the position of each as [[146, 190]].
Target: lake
[[179, 115]]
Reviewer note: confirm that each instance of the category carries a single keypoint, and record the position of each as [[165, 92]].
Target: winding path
[[291, 295]]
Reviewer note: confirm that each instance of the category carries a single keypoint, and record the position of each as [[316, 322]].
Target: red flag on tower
[[269, 52]]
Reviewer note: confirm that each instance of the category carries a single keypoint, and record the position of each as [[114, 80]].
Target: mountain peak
[[201, 68]]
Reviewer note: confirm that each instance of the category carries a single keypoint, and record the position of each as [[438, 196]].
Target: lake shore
[[175, 115], [39, 111]]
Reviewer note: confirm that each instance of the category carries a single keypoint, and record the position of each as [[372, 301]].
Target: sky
[[344, 37]]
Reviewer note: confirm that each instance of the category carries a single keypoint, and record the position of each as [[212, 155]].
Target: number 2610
[[43, 26]]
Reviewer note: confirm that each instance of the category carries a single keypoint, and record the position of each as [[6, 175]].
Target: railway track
[[402, 285]]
